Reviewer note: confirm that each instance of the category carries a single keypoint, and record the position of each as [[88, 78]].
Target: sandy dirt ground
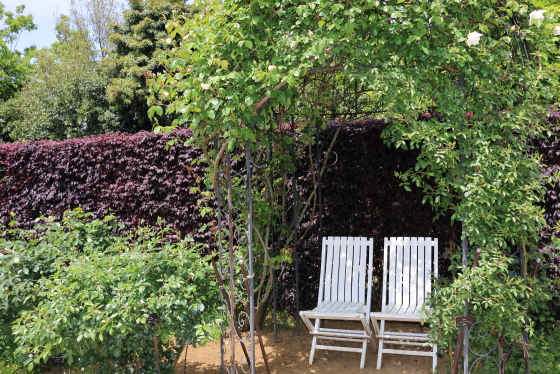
[[291, 355]]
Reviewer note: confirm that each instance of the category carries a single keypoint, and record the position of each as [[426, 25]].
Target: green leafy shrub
[[496, 298], [7, 346], [544, 355], [78, 289], [11, 368], [28, 255], [504, 306]]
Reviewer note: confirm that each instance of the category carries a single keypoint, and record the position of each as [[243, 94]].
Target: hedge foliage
[[136, 177], [549, 148], [362, 195]]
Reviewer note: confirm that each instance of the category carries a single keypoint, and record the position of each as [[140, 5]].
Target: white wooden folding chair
[[408, 264], [344, 294]]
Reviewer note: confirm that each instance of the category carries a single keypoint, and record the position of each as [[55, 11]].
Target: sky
[[43, 15], [43, 12]]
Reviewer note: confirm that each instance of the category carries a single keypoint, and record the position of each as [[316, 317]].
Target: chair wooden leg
[[379, 354], [367, 329], [434, 359], [373, 343], [314, 342], [306, 320], [380, 345], [364, 349], [375, 324], [312, 354]]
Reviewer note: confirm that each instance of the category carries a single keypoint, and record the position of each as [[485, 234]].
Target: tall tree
[[65, 95], [14, 65], [138, 42], [97, 17]]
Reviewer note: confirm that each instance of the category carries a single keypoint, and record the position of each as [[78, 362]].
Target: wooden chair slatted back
[[408, 264], [345, 265]]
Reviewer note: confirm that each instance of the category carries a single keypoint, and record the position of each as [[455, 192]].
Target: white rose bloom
[[168, 40], [557, 31], [16, 260], [271, 67], [536, 16], [311, 34], [201, 307], [523, 10], [205, 86], [473, 38], [89, 240]]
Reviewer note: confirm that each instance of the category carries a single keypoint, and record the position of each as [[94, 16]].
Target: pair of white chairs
[[345, 294]]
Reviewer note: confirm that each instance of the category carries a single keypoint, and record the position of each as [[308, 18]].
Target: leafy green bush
[[80, 290], [498, 301], [10, 368], [28, 255], [7, 346], [504, 306], [544, 355]]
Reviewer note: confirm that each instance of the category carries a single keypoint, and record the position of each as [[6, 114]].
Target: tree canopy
[[92, 80], [138, 42], [96, 18], [243, 64], [14, 65], [64, 96]]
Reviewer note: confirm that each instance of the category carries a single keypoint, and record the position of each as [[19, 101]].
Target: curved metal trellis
[[234, 230], [498, 353]]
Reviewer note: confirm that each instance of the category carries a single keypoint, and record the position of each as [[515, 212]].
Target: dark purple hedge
[[136, 178], [549, 148], [131, 176], [362, 196]]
